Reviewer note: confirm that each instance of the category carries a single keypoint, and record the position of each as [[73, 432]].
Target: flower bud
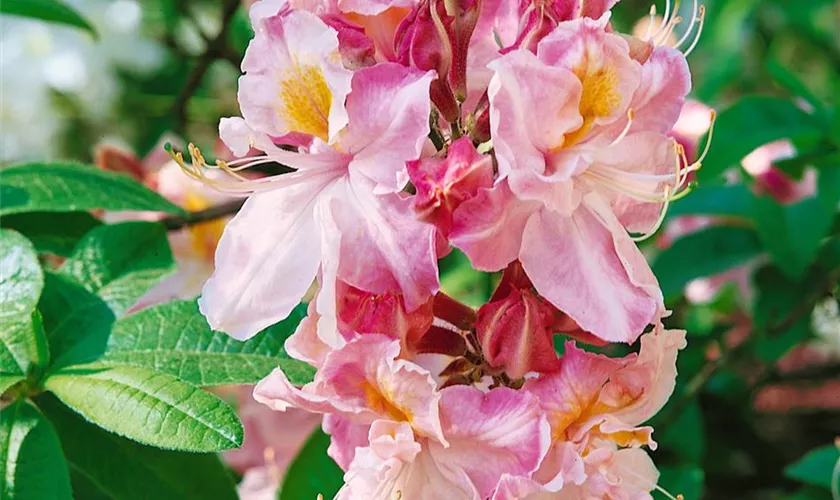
[[436, 36], [444, 183], [363, 312], [516, 334]]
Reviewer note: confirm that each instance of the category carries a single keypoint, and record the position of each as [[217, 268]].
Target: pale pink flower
[[395, 432], [595, 400], [489, 434], [340, 214], [579, 134]]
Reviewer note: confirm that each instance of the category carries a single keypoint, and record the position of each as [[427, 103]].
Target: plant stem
[[179, 222]]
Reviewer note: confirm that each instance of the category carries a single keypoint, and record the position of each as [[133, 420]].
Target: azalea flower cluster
[[529, 135]]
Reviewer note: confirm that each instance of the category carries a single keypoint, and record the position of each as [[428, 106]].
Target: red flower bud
[[516, 334]]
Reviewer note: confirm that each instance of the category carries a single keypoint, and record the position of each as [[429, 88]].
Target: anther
[[701, 17]]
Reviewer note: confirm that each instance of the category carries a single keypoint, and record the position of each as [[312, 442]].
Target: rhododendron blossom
[[531, 136]]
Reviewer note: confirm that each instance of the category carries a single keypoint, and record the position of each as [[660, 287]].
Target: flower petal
[[581, 266], [488, 228], [490, 434], [389, 120], [264, 268]]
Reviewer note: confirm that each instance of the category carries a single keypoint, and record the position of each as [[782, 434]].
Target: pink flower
[[579, 134], [595, 399], [489, 434], [340, 214], [442, 184], [395, 432]]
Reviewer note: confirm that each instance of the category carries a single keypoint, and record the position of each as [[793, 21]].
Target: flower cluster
[[529, 135]]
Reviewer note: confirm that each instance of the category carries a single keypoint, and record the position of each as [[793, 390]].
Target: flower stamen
[[630, 115]]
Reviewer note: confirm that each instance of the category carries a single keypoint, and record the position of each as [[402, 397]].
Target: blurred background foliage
[[757, 407]]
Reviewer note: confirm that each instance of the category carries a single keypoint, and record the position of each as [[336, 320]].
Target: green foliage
[[31, 460], [70, 187], [706, 252], [115, 467], [817, 467], [313, 472], [737, 134], [52, 11], [174, 338], [51, 232], [21, 278], [120, 262], [149, 407]]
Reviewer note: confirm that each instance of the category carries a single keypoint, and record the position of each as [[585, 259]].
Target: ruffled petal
[[490, 434]]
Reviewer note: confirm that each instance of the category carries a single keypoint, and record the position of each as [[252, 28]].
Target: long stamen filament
[[712, 118], [702, 17], [659, 220], [665, 19], [694, 20], [663, 38], [651, 20]]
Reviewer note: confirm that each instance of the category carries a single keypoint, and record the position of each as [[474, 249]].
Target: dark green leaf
[[684, 480], [52, 11], [21, 283], [816, 467], [726, 201], [686, 436], [52, 232], [113, 467], [779, 321], [121, 262], [752, 122], [312, 472], [793, 233], [704, 253], [148, 407], [76, 321], [31, 463], [793, 84], [71, 187], [175, 338]]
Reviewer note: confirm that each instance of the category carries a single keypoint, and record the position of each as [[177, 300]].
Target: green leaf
[[121, 262], [686, 436], [21, 283], [31, 463], [151, 408], [727, 201], [175, 338], [110, 466], [684, 480], [776, 329], [793, 233], [71, 187], [51, 11], [7, 381], [752, 122], [312, 472], [52, 232], [703, 253], [816, 467], [21, 277], [793, 84], [77, 322]]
